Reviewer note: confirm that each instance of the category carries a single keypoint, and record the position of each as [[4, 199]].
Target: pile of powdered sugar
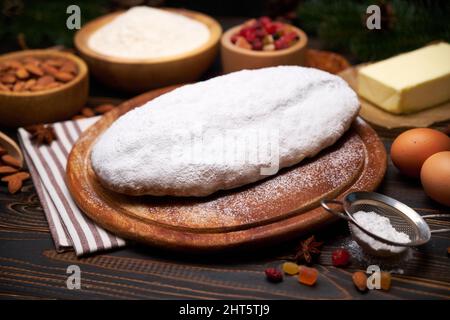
[[380, 226], [145, 33]]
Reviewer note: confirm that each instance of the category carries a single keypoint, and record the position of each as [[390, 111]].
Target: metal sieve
[[402, 218]]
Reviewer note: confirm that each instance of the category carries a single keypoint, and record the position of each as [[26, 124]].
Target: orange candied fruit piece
[[307, 276], [385, 280]]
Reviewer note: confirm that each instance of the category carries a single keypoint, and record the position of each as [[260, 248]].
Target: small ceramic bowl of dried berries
[[41, 86], [262, 42]]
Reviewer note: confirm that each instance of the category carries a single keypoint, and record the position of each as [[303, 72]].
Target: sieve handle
[[324, 203], [438, 216]]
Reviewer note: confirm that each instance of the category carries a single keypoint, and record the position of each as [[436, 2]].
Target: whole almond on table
[[22, 175], [104, 108], [7, 170], [14, 185], [11, 161], [360, 280], [78, 117], [15, 181], [87, 112]]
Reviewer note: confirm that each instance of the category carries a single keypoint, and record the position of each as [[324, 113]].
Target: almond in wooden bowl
[[40, 86], [237, 54], [141, 73]]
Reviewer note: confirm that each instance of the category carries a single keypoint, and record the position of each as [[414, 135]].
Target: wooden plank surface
[[30, 268]]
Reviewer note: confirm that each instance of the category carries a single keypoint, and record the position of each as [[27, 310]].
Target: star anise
[[41, 133], [308, 250]]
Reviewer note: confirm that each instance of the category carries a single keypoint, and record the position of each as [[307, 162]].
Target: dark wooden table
[[31, 269]]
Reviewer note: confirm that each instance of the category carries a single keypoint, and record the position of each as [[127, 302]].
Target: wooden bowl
[[25, 108], [235, 58], [139, 75]]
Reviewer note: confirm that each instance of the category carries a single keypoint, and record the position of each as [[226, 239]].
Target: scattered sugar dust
[[392, 264]]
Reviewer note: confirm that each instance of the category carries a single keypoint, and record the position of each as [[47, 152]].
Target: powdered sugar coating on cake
[[177, 144]]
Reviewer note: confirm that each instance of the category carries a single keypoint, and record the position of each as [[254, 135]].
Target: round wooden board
[[271, 210]]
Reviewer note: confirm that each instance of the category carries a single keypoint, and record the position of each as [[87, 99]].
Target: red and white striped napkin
[[69, 227]]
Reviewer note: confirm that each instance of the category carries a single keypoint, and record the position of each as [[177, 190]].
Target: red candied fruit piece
[[340, 257], [281, 44], [260, 33], [290, 36], [274, 275], [265, 20], [248, 34], [257, 44], [270, 28], [278, 25]]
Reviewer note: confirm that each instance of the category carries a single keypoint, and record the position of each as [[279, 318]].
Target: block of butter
[[408, 82]]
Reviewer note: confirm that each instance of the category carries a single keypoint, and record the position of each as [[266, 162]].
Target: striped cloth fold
[[70, 228]]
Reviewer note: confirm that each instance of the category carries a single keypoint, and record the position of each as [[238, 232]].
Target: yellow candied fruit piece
[[290, 268]]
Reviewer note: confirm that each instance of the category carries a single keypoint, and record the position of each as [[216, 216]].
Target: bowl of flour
[[145, 48]]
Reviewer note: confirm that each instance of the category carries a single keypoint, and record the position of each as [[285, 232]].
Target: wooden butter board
[[275, 209]]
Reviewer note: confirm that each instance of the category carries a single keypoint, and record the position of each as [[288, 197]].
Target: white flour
[[380, 226], [310, 109], [145, 33]]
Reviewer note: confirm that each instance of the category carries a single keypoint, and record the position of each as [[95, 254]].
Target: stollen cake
[[224, 132]]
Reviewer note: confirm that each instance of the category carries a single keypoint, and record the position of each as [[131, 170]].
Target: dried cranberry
[[257, 44], [265, 20], [274, 275], [270, 28], [249, 35], [290, 36], [340, 257], [278, 25], [260, 33], [243, 31], [281, 44]]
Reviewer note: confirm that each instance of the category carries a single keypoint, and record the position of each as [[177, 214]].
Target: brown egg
[[435, 177], [411, 148]]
